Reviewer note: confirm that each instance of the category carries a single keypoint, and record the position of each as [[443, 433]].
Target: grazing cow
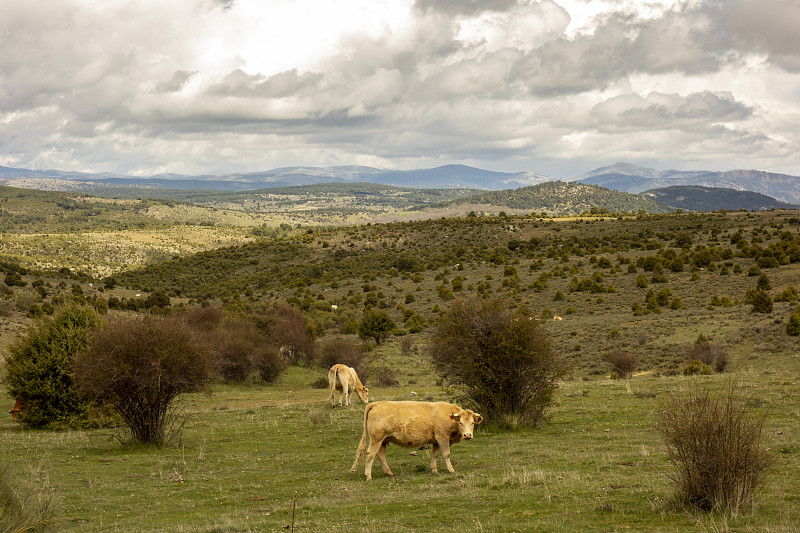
[[344, 379], [412, 425]]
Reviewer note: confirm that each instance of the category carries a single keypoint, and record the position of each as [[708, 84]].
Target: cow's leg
[[347, 398], [382, 457], [444, 444], [372, 450], [435, 458]]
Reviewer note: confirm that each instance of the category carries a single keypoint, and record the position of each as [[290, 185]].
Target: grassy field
[[247, 452]]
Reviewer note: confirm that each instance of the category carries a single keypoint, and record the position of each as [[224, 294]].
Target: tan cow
[[344, 379], [413, 424]]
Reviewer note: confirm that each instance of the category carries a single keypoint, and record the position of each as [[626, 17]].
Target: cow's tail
[[362, 446], [332, 381]]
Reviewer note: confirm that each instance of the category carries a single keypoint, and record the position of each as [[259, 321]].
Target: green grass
[[247, 451], [597, 465]]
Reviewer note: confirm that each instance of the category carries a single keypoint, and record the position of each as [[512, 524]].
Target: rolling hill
[[698, 198], [562, 198]]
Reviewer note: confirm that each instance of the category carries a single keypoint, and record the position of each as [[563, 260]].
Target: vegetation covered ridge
[[566, 198]]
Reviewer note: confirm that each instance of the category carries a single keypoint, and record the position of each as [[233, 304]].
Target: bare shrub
[[406, 344], [386, 377], [232, 345], [288, 327], [341, 351], [139, 366], [707, 353], [6, 307], [714, 442], [26, 298], [624, 363], [242, 349], [203, 317], [501, 357]]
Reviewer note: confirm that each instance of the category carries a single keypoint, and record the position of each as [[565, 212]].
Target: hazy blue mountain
[[444, 177], [635, 179], [623, 177]]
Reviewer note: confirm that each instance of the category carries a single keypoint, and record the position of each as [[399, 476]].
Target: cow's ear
[[455, 416], [477, 418]]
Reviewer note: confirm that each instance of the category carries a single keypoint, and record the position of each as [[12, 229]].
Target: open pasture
[[247, 452]]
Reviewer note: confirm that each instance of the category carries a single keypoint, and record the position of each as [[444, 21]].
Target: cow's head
[[466, 421], [363, 393]]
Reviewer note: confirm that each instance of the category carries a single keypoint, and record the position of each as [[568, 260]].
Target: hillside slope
[[562, 198], [698, 198]]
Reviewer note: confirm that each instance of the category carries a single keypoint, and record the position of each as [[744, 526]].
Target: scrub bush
[[138, 366], [714, 443], [500, 357]]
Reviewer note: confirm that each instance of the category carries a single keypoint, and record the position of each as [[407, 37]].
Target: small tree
[[714, 442], [760, 300], [139, 366], [40, 368], [501, 357], [375, 324]]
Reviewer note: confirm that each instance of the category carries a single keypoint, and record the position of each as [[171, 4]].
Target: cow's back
[[409, 423]]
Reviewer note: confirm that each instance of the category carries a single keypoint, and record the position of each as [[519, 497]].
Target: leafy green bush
[[793, 324], [40, 368], [375, 324], [501, 357], [715, 445], [697, 367]]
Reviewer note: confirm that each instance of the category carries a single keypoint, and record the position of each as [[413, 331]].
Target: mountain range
[[623, 177]]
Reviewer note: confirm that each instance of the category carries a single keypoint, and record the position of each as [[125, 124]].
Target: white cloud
[[200, 86]]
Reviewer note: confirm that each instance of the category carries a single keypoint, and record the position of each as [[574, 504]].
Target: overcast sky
[[557, 87]]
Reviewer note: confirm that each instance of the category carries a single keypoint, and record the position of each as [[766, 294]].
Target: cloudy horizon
[[556, 87]]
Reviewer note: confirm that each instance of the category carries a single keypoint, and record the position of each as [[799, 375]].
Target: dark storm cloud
[[463, 7], [178, 81], [659, 111], [239, 83], [771, 27]]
